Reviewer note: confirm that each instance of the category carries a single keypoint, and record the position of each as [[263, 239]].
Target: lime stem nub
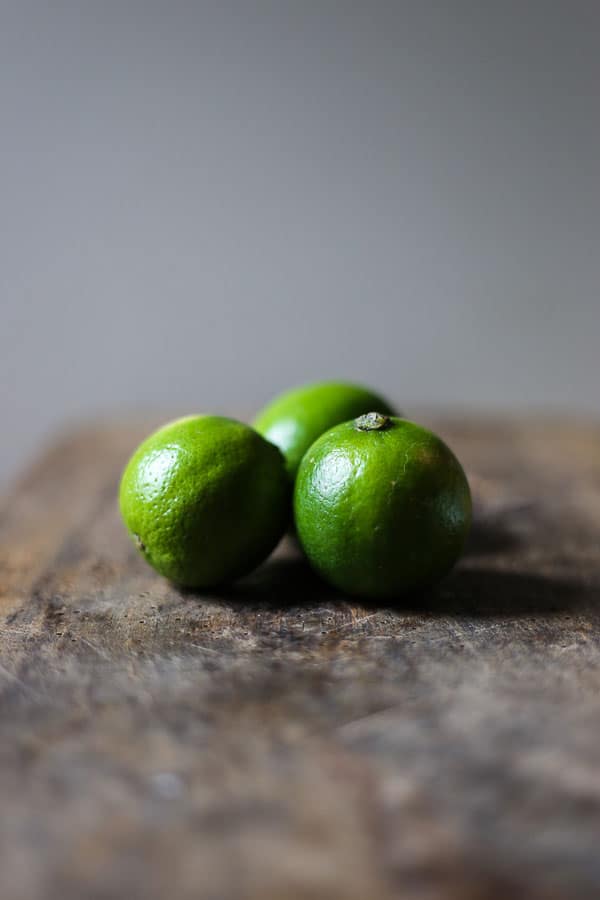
[[372, 421]]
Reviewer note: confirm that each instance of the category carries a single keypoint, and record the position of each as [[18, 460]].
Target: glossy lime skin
[[205, 500], [295, 419], [381, 512]]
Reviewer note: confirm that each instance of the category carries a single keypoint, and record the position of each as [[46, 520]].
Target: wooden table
[[279, 742]]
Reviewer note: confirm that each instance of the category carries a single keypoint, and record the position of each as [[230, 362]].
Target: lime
[[205, 500], [295, 419], [382, 506]]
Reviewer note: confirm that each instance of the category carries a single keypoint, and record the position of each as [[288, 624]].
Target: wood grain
[[278, 741]]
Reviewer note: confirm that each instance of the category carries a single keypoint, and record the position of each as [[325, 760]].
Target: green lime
[[295, 419], [205, 500], [382, 506]]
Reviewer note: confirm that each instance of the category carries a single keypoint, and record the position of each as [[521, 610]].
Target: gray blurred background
[[204, 203]]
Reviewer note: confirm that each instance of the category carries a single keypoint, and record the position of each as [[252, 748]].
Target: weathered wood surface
[[280, 742]]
